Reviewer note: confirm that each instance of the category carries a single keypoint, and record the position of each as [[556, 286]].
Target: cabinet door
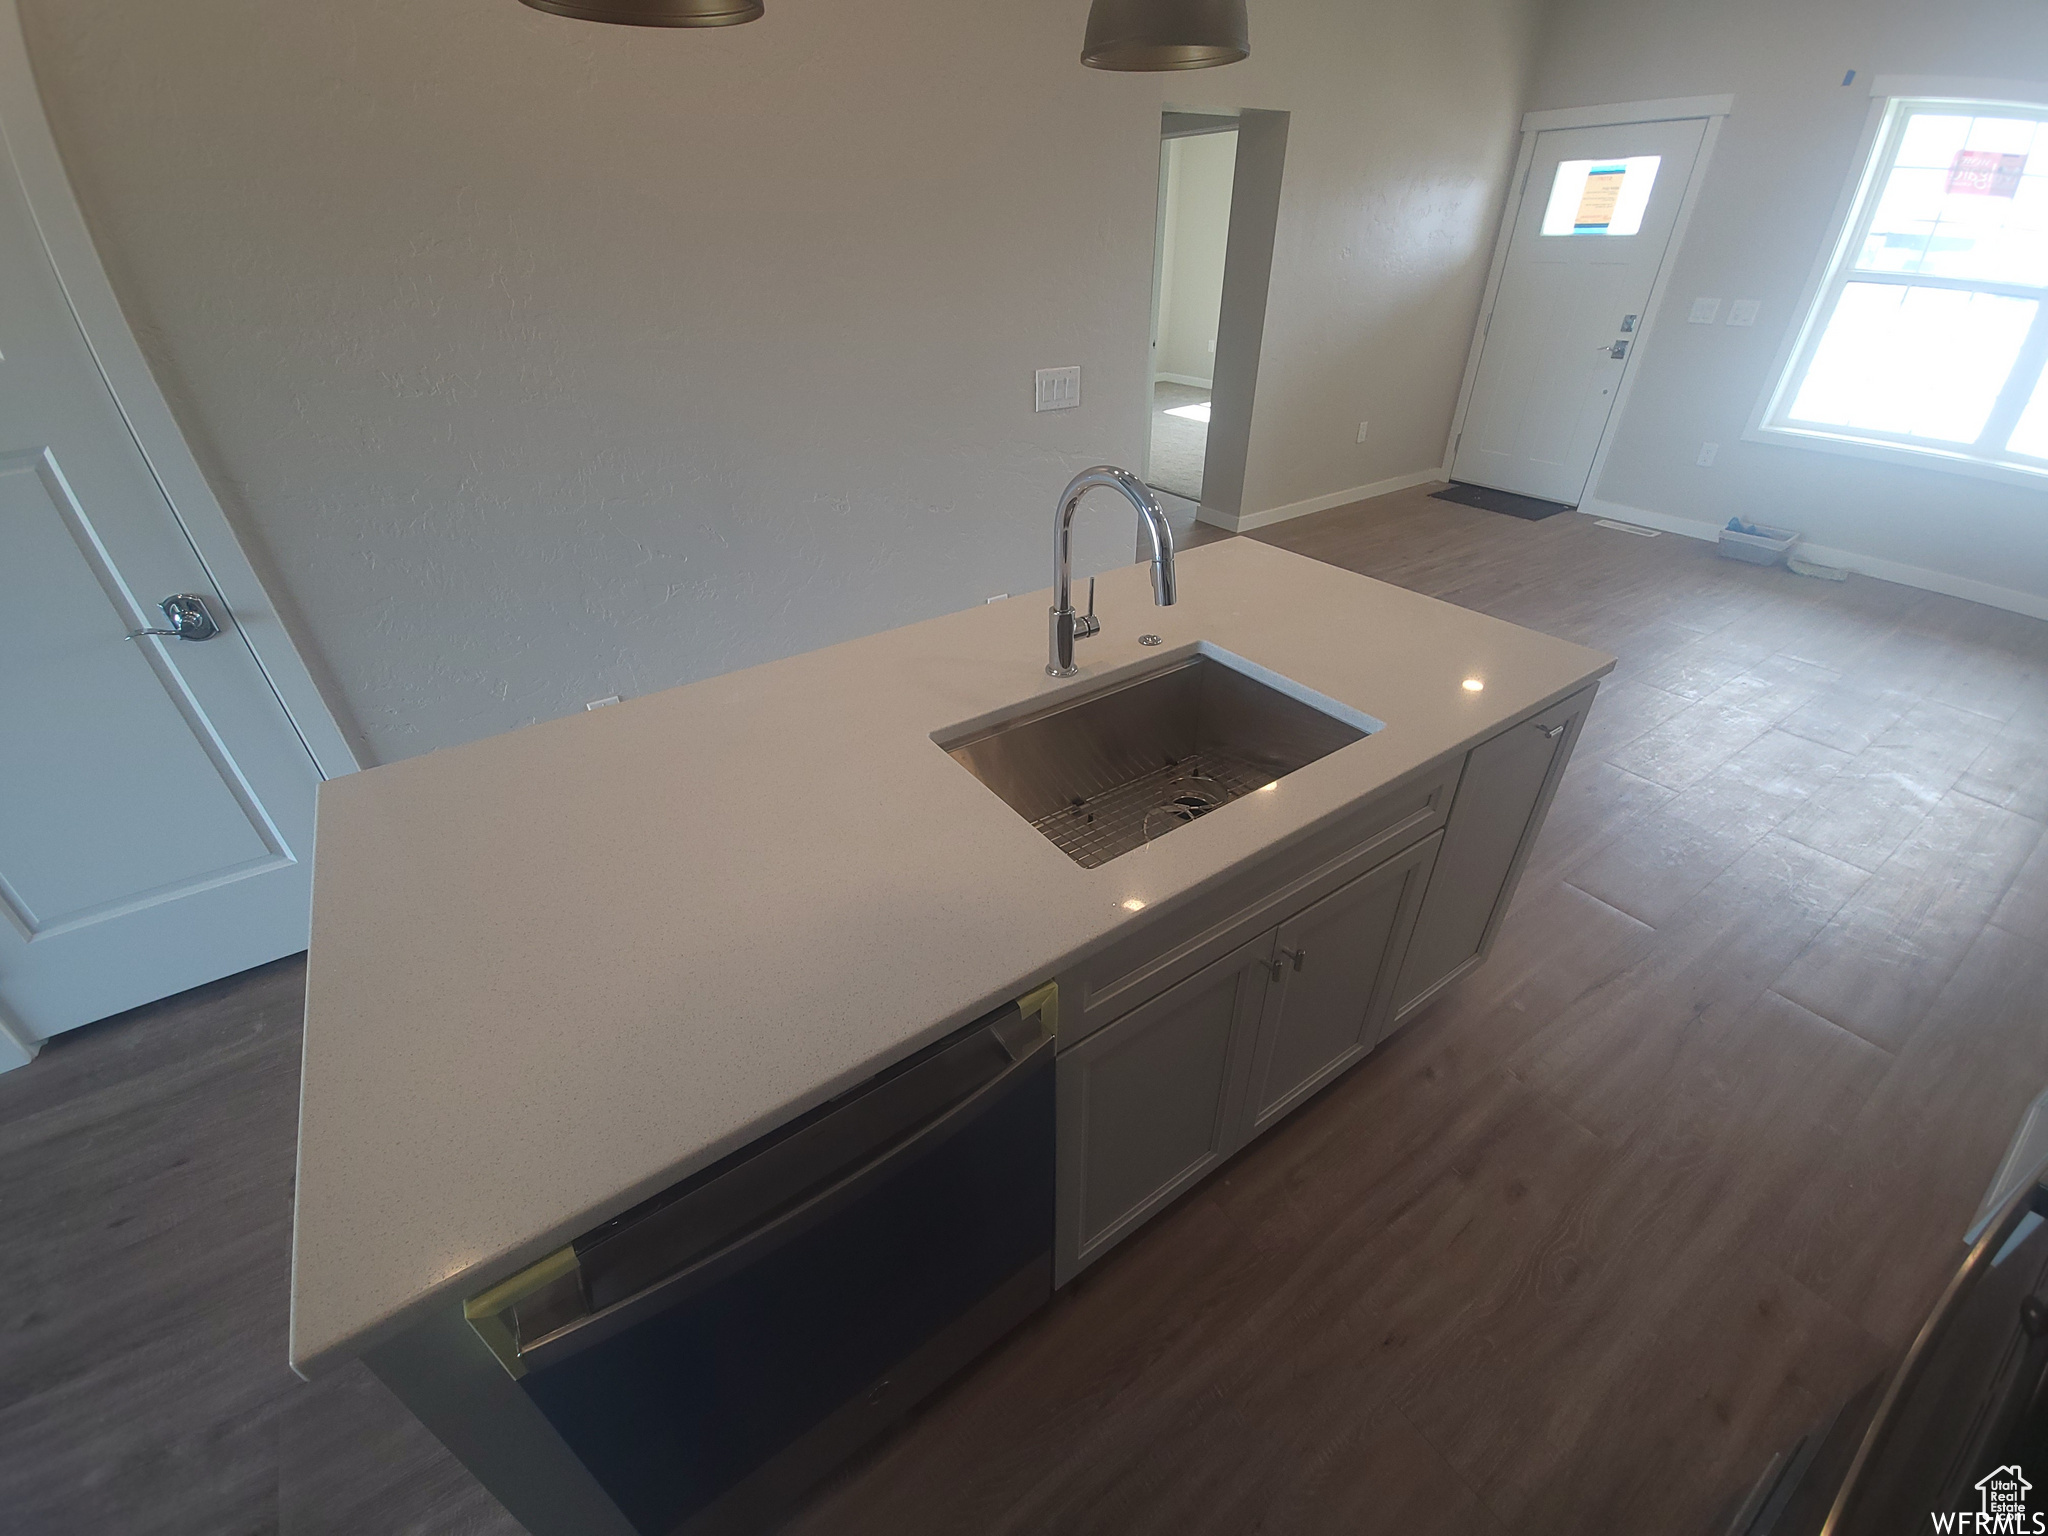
[[1333, 983], [1146, 1105], [1502, 795]]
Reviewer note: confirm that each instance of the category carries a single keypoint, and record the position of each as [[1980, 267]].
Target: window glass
[[1919, 362], [1928, 330], [2031, 435], [1966, 197], [1600, 197]]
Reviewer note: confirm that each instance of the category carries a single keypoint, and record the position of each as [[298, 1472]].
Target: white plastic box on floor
[[1767, 546]]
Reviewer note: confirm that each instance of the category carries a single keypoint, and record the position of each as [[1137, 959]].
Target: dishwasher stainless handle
[[586, 1332], [1851, 1500]]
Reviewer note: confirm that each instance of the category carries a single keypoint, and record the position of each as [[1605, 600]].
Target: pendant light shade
[[656, 13], [1164, 34]]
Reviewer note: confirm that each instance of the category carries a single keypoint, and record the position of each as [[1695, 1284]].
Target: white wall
[[538, 360], [1199, 171], [1402, 138], [1763, 215]]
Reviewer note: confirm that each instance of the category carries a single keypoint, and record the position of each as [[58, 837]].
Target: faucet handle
[[1088, 624]]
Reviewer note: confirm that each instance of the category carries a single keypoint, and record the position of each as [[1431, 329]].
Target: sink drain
[[1107, 825], [1187, 800]]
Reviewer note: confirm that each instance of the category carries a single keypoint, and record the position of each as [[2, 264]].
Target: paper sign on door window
[[1986, 172], [1600, 197], [1597, 199]]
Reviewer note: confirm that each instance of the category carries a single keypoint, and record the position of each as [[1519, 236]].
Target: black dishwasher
[[710, 1354]]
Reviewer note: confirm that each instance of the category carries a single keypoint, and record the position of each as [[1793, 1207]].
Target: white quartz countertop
[[554, 971]]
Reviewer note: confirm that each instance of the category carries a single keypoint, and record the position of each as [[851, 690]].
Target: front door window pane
[[1600, 197]]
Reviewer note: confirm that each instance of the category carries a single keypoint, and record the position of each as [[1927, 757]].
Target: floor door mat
[[1529, 508]]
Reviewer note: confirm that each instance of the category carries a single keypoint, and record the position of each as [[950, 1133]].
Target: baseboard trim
[[1293, 509], [2033, 605], [1185, 378]]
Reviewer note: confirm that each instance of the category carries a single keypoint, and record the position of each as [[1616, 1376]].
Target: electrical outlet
[[1707, 454], [601, 703], [1059, 389], [1361, 431], [1212, 346], [1704, 312], [1743, 311]]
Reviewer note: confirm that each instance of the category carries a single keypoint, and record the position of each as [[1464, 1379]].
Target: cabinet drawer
[[1181, 940]]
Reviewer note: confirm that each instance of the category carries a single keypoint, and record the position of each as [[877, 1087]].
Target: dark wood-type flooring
[[1679, 1167]]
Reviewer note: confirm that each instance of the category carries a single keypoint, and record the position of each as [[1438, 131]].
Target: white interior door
[[156, 803], [1592, 229]]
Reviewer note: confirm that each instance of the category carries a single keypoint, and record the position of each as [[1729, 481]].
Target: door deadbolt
[[188, 616]]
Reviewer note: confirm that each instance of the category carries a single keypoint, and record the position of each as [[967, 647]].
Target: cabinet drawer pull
[[1295, 955], [1553, 732]]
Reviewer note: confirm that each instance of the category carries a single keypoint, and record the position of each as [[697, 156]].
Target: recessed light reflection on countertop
[[1264, 787], [1475, 685], [1134, 905]]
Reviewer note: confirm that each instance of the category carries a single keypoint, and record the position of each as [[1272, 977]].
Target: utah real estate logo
[[2002, 1506]]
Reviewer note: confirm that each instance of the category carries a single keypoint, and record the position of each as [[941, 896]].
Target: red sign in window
[[1986, 173]]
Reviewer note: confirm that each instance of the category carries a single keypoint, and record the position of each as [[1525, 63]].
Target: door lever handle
[[188, 616]]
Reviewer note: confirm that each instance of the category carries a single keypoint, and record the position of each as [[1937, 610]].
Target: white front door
[[1594, 222], [156, 803]]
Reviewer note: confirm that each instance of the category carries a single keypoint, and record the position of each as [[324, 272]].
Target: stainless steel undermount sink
[[1107, 770]]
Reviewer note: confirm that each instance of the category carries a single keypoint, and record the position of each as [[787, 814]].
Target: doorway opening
[[1212, 268], [1197, 166]]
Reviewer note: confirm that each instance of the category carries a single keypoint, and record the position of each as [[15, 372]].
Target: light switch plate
[[1704, 312], [1361, 431], [1059, 389], [1743, 311], [1707, 454]]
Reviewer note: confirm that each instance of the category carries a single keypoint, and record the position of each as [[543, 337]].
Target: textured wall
[[1764, 211], [540, 360]]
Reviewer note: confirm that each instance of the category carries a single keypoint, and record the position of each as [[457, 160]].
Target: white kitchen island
[[556, 971]]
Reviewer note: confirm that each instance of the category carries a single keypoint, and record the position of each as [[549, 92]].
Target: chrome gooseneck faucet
[[1068, 626]]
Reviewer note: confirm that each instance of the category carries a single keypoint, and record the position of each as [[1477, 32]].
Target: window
[[1600, 197], [1929, 333]]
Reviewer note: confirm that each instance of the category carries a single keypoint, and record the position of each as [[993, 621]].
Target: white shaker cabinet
[[1502, 797], [1150, 1103], [1333, 974]]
